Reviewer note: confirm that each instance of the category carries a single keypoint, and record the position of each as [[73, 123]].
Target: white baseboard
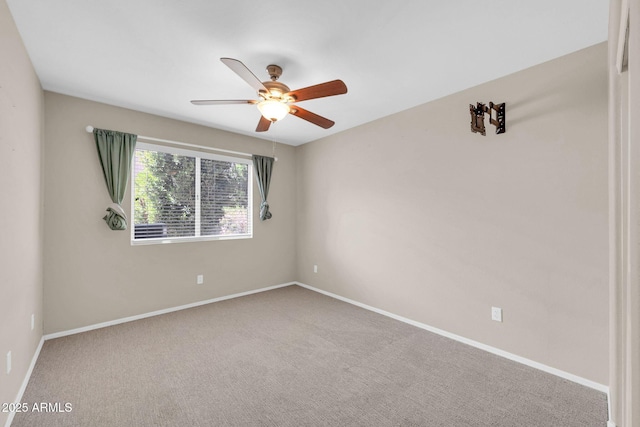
[[159, 312], [494, 350], [27, 377], [611, 424]]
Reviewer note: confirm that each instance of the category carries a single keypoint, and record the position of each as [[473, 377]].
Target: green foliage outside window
[[165, 193]]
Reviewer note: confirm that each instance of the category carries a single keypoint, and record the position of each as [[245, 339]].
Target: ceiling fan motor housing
[[276, 91]]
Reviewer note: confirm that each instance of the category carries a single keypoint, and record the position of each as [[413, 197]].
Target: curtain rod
[[89, 129]]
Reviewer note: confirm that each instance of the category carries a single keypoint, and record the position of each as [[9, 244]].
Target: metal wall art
[[477, 117]]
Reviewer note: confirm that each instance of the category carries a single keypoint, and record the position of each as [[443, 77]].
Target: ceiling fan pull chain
[[274, 138]]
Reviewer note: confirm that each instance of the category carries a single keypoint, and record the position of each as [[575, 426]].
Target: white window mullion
[[250, 197], [198, 184]]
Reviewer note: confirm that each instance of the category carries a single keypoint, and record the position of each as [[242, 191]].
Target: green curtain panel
[[264, 167], [115, 151]]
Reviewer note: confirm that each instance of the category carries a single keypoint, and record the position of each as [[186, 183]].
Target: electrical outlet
[[315, 268], [33, 321], [8, 362], [496, 314], [200, 279]]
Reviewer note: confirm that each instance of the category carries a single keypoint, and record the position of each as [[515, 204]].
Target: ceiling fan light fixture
[[273, 110]]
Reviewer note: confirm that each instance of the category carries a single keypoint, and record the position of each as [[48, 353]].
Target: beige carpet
[[291, 357]]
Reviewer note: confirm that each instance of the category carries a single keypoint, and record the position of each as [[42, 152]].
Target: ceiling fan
[[275, 99]]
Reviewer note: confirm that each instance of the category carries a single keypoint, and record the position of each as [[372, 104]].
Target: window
[[183, 195]]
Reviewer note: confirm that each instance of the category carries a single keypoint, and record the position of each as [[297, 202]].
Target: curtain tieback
[[264, 211], [115, 217]]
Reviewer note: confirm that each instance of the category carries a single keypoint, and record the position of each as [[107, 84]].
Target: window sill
[[165, 240]]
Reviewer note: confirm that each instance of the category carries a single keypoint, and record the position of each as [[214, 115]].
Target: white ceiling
[[157, 55]]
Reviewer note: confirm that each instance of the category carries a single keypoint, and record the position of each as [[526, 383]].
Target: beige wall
[[416, 215], [21, 124], [93, 274]]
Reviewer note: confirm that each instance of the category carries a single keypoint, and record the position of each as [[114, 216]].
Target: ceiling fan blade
[[311, 117], [263, 124], [222, 101], [334, 87], [240, 69]]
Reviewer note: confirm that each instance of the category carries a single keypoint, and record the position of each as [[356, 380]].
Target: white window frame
[[203, 155]]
